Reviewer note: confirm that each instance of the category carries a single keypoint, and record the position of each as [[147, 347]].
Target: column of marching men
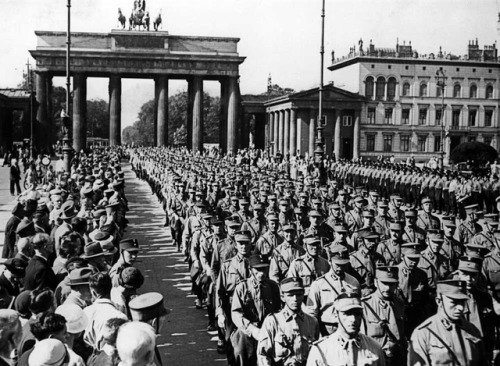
[[381, 264], [69, 291]]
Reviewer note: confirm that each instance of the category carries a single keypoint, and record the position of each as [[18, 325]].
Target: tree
[[180, 136], [130, 135], [97, 118], [475, 151]]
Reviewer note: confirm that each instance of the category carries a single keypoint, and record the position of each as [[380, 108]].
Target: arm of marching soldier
[[205, 242], [221, 299], [313, 304], [215, 265], [187, 233], [238, 313], [274, 268], [265, 347], [418, 348], [195, 246]]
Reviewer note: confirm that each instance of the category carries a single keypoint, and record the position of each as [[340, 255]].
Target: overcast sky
[[278, 37]]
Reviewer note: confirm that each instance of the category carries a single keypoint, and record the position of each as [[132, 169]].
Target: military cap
[[342, 192], [147, 306], [129, 245], [396, 197], [292, 284], [339, 254], [244, 201], [382, 204], [471, 208], [476, 251], [469, 264], [312, 241], [25, 228], [370, 236], [284, 202], [231, 222], [340, 228], [387, 273], [234, 198], [395, 226], [335, 206], [411, 250], [16, 266], [303, 194], [435, 235], [359, 199], [206, 216], [314, 213], [298, 210], [258, 206], [454, 289], [316, 201], [426, 200], [272, 217], [80, 276], [272, 197], [289, 227], [449, 222], [374, 193], [242, 237], [410, 213], [491, 219], [215, 221], [258, 261], [348, 301], [367, 213], [191, 190]]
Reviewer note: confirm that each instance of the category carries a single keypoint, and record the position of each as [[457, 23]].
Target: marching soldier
[[395, 212], [270, 239], [353, 218], [226, 248], [365, 260], [317, 228], [451, 248], [426, 220], [485, 237], [325, 290], [382, 220], [446, 338], [390, 249], [384, 316], [412, 233], [435, 265], [256, 225], [469, 227], [347, 346], [335, 216], [284, 254], [253, 300]]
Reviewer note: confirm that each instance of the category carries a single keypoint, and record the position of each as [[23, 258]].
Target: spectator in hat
[[80, 291], [447, 330], [22, 306], [11, 281], [68, 211], [347, 343], [39, 273], [135, 343], [108, 356], [10, 231], [253, 300], [76, 322], [63, 289], [129, 249], [94, 255], [47, 352], [10, 335], [129, 281], [291, 323]]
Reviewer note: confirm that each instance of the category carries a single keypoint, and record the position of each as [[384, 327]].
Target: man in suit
[[39, 273], [15, 177]]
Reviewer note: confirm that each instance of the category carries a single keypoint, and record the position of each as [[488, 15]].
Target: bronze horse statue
[[138, 19], [121, 18], [157, 21]]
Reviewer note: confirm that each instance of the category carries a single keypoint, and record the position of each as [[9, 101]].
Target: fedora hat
[[92, 250]]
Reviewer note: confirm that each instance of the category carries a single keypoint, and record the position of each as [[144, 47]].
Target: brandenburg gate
[[138, 54]]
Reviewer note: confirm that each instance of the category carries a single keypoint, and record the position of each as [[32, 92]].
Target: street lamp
[[66, 120], [30, 86], [319, 151], [441, 84]]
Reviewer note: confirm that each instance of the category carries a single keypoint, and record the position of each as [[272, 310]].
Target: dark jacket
[[15, 172], [39, 274]]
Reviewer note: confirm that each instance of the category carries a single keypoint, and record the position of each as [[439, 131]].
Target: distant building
[[404, 114]]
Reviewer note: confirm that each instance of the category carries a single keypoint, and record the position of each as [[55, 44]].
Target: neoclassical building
[[405, 111]]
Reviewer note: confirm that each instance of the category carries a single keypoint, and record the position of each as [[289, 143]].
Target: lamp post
[[441, 83], [66, 120], [319, 151], [30, 86]]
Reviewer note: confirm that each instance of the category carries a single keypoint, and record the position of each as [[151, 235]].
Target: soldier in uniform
[[270, 239], [451, 248], [413, 287], [485, 237], [243, 212], [284, 254], [384, 316], [233, 271], [372, 201], [347, 346], [301, 221], [342, 200], [435, 265], [309, 266], [469, 227], [390, 249], [253, 300], [395, 212], [286, 337], [317, 228], [325, 290], [353, 218], [365, 260], [382, 220], [447, 338], [412, 233], [256, 225], [335, 216], [491, 265], [426, 220], [340, 237], [367, 227]]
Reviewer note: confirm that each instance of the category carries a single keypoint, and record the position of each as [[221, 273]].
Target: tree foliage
[[475, 151], [97, 118]]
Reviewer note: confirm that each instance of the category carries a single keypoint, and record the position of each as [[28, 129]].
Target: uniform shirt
[[257, 227], [335, 350], [267, 243], [485, 239], [391, 251], [413, 234], [286, 336], [427, 221], [432, 341], [365, 264], [282, 258], [309, 269], [323, 293], [391, 312], [491, 268], [354, 220], [381, 226], [413, 285], [467, 230], [435, 266], [232, 272], [226, 249]]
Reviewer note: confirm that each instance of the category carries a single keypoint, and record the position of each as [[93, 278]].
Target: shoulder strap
[[322, 354], [382, 322], [333, 288], [453, 355]]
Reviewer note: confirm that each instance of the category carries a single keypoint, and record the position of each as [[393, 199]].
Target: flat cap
[[147, 306]]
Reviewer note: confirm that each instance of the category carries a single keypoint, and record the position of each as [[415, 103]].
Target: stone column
[[355, 145], [312, 132], [281, 131], [115, 110], [162, 111], [232, 115], [189, 122], [52, 133], [269, 138], [286, 132], [197, 138], [223, 115], [42, 122], [79, 112], [276, 132], [338, 121], [293, 132]]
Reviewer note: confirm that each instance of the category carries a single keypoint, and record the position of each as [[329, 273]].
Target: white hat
[[48, 352], [76, 320]]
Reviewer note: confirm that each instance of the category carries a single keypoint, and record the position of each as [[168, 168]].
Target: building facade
[[415, 102]]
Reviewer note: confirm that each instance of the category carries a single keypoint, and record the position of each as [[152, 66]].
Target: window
[[437, 143], [487, 139], [457, 89], [488, 118], [405, 143], [489, 92], [422, 140], [369, 87], [439, 117], [391, 89], [388, 116], [422, 116], [473, 91], [380, 89], [387, 143], [347, 121], [371, 116], [370, 142], [472, 117], [405, 117], [423, 90], [439, 91], [406, 89], [455, 118]]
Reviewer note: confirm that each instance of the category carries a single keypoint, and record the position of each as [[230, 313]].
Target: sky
[[280, 38]]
